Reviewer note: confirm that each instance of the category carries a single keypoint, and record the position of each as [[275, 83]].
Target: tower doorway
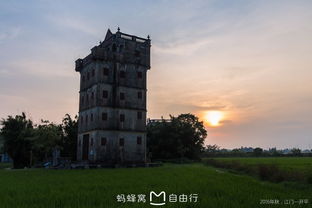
[[85, 147]]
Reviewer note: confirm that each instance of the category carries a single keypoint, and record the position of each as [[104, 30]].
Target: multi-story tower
[[112, 106]]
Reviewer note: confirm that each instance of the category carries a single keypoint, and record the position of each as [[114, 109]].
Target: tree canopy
[[28, 144], [69, 137], [180, 137], [17, 133]]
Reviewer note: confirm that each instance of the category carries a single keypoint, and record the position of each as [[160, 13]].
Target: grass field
[[271, 168], [303, 164], [99, 187], [5, 165]]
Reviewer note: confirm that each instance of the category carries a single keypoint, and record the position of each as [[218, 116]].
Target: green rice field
[[303, 164], [31, 188], [269, 168]]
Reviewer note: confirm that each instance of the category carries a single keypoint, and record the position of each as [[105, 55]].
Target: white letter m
[[158, 195]]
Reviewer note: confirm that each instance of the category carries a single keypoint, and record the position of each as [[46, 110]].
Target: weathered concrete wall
[[131, 85], [112, 101], [92, 119], [112, 151], [131, 97]]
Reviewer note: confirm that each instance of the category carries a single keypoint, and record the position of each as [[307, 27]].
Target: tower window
[[92, 95], [122, 74], [87, 119], [122, 117], [120, 48], [88, 76], [137, 53], [105, 72], [93, 73], [139, 95], [114, 48], [140, 75], [83, 78], [103, 141], [139, 115], [104, 116], [139, 140], [121, 142], [122, 96], [91, 117], [105, 94]]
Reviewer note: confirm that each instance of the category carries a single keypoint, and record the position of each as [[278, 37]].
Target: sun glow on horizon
[[214, 117]]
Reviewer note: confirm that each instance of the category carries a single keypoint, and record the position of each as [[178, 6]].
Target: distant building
[[157, 120], [5, 158], [286, 151], [112, 105], [306, 151], [246, 149]]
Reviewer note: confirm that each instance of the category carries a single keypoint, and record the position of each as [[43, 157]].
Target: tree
[[258, 151], [211, 150], [274, 152], [17, 133], [47, 136], [1, 144], [69, 137], [296, 152], [182, 136], [27, 144]]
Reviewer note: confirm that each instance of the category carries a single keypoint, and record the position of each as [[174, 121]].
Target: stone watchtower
[[112, 106]]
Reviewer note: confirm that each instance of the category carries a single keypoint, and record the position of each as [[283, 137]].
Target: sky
[[249, 61]]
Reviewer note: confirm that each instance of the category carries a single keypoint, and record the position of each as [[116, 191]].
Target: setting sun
[[214, 117]]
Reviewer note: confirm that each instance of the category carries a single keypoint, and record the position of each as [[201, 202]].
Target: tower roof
[[108, 34], [119, 47]]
